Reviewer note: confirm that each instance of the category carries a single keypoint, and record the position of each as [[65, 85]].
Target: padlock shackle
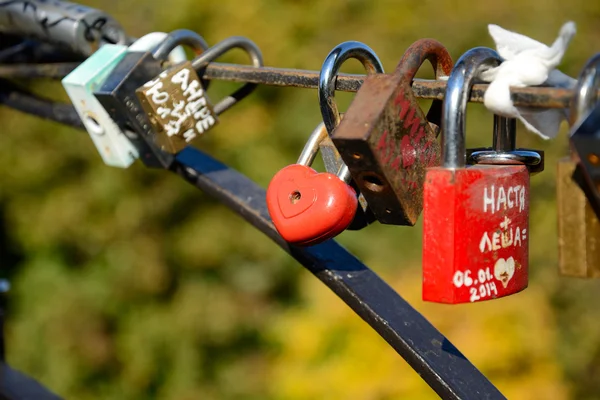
[[420, 51], [151, 40], [505, 134], [586, 90], [180, 37], [458, 89], [208, 56], [319, 140], [412, 60], [311, 148], [329, 71]]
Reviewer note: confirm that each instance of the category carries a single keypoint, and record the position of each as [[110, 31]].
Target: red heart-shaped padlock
[[308, 207]]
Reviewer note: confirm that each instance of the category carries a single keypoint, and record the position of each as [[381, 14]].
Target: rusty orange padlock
[[308, 207], [475, 218]]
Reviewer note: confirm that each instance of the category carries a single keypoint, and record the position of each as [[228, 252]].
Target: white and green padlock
[[111, 142]]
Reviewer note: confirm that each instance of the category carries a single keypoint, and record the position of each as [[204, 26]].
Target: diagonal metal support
[[15, 385], [427, 351]]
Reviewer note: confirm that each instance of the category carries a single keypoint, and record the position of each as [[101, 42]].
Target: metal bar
[[15, 385], [535, 97], [36, 71], [24, 101], [427, 351]]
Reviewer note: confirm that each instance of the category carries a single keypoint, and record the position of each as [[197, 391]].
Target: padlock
[[475, 218], [308, 207], [114, 148], [578, 225], [117, 95], [585, 145], [387, 141], [332, 117], [176, 102]]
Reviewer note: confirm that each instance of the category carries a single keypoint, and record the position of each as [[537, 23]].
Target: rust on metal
[[535, 97], [418, 52], [386, 140]]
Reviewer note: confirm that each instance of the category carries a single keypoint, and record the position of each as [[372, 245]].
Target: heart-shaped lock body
[[308, 207]]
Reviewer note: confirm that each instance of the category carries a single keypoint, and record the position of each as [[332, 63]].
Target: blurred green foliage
[[131, 284]]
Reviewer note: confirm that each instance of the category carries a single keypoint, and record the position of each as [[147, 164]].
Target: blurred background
[[131, 284]]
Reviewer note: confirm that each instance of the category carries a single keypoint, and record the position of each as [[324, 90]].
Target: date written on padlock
[[480, 287], [492, 235], [177, 107]]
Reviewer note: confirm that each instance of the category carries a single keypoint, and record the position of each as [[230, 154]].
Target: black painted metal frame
[[428, 352]]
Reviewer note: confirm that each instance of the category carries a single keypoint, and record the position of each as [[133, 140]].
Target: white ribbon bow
[[527, 62]]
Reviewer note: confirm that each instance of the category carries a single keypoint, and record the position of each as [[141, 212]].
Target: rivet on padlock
[[388, 142], [176, 103], [475, 218], [117, 95], [308, 207], [578, 225], [112, 144], [332, 117]]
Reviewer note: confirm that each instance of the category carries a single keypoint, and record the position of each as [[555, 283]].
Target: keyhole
[[94, 126], [295, 197], [373, 183], [129, 132]]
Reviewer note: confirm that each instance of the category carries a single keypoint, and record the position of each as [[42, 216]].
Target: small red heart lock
[[308, 207]]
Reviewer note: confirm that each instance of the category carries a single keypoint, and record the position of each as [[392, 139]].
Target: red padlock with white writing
[[308, 207], [475, 218]]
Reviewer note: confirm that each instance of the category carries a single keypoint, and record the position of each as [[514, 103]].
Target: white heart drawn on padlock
[[504, 270]]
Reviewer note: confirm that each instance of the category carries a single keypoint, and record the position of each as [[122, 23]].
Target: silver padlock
[[332, 117]]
